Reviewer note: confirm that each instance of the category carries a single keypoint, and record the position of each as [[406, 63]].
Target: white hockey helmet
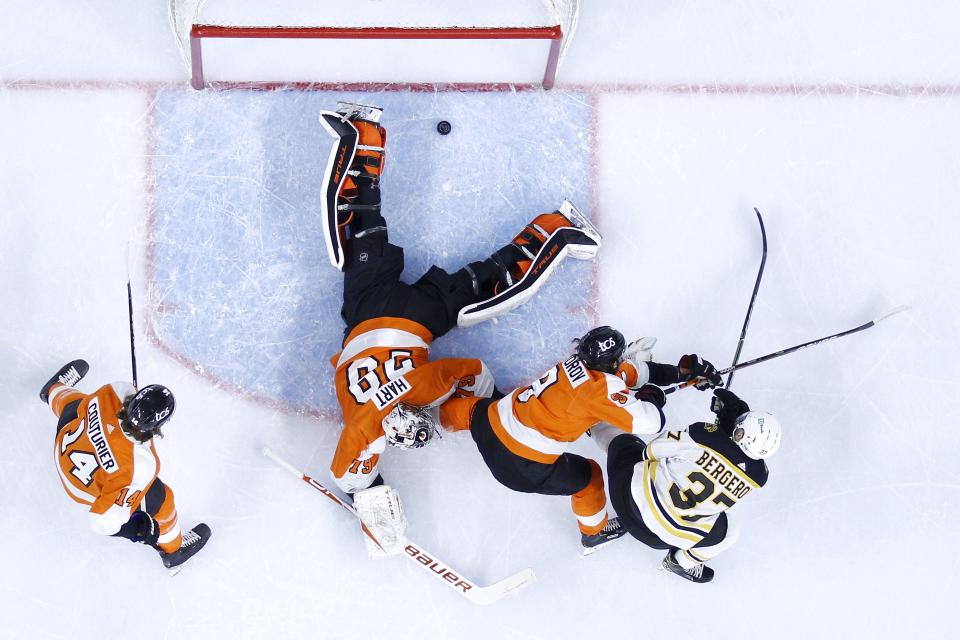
[[409, 427], [757, 433]]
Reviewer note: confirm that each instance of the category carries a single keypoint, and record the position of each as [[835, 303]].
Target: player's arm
[[436, 381], [355, 461], [633, 411], [111, 510], [455, 413]]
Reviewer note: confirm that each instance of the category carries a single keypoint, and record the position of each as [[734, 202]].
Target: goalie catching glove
[[381, 512]]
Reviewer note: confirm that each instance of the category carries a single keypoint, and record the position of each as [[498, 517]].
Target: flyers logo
[[619, 398]]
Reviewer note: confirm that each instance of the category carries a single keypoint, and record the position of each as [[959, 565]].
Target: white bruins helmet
[[409, 427], [758, 434]]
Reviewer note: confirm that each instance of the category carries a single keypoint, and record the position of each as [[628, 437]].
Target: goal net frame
[[187, 13]]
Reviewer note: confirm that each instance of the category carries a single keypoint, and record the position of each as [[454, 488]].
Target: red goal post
[[459, 42]]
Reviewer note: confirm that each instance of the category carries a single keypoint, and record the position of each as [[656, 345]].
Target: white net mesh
[[184, 14]]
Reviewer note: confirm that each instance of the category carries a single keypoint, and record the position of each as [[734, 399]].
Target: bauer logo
[[443, 572]]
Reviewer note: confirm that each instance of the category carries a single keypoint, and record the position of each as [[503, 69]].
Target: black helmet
[[601, 349], [147, 411]]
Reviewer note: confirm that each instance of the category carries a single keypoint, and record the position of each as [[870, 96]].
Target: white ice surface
[[852, 537]]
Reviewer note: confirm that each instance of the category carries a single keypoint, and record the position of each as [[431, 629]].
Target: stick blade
[[499, 590], [895, 310]]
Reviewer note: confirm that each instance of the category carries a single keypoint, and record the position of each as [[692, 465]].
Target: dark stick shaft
[[753, 298], [783, 352], [133, 350]]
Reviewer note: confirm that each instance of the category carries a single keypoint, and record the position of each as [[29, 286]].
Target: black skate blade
[[590, 550]]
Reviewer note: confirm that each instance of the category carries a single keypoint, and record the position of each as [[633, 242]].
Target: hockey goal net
[[234, 42]]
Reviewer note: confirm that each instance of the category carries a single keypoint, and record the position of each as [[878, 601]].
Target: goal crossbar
[[552, 33]]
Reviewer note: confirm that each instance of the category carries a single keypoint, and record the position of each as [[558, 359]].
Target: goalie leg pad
[[341, 156], [381, 512], [573, 235]]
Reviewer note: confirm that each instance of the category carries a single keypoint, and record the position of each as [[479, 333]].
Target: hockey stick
[[133, 349], [423, 558], [753, 299], [783, 352]]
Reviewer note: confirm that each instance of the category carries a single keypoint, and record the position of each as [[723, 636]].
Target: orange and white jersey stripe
[[100, 466], [682, 486], [385, 361], [540, 421]]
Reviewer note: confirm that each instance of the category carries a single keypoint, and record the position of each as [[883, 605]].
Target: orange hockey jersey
[[383, 361], [99, 465], [540, 421]]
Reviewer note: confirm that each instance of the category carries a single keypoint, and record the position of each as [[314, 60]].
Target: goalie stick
[[783, 352], [421, 557], [753, 298]]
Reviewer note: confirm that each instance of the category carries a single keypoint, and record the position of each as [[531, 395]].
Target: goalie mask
[[409, 427], [757, 433]]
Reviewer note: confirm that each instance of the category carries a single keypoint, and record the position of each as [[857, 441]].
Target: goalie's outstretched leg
[[525, 264], [351, 180]]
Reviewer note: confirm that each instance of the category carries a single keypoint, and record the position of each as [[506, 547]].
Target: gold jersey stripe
[[675, 514], [649, 474]]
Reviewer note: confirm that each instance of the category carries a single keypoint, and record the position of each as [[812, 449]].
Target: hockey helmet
[[147, 411], [757, 433], [601, 349], [409, 427]]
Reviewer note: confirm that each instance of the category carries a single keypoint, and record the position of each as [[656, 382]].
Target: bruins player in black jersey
[[673, 493]]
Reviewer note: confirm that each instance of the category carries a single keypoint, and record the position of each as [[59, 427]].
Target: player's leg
[[372, 266], [624, 452], [159, 504], [174, 546], [514, 273], [60, 395], [569, 475], [58, 391], [691, 563], [351, 182], [582, 480], [509, 277]]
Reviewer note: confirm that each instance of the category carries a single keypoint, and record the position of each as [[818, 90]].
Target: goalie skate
[[345, 136], [580, 239], [354, 111]]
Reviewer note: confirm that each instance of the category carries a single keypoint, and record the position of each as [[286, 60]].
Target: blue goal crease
[[239, 261]]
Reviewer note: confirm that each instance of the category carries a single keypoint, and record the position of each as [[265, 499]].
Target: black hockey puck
[[443, 127]]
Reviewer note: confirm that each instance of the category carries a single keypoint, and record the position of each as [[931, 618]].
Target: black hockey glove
[[141, 527], [693, 366], [728, 408], [652, 394]]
